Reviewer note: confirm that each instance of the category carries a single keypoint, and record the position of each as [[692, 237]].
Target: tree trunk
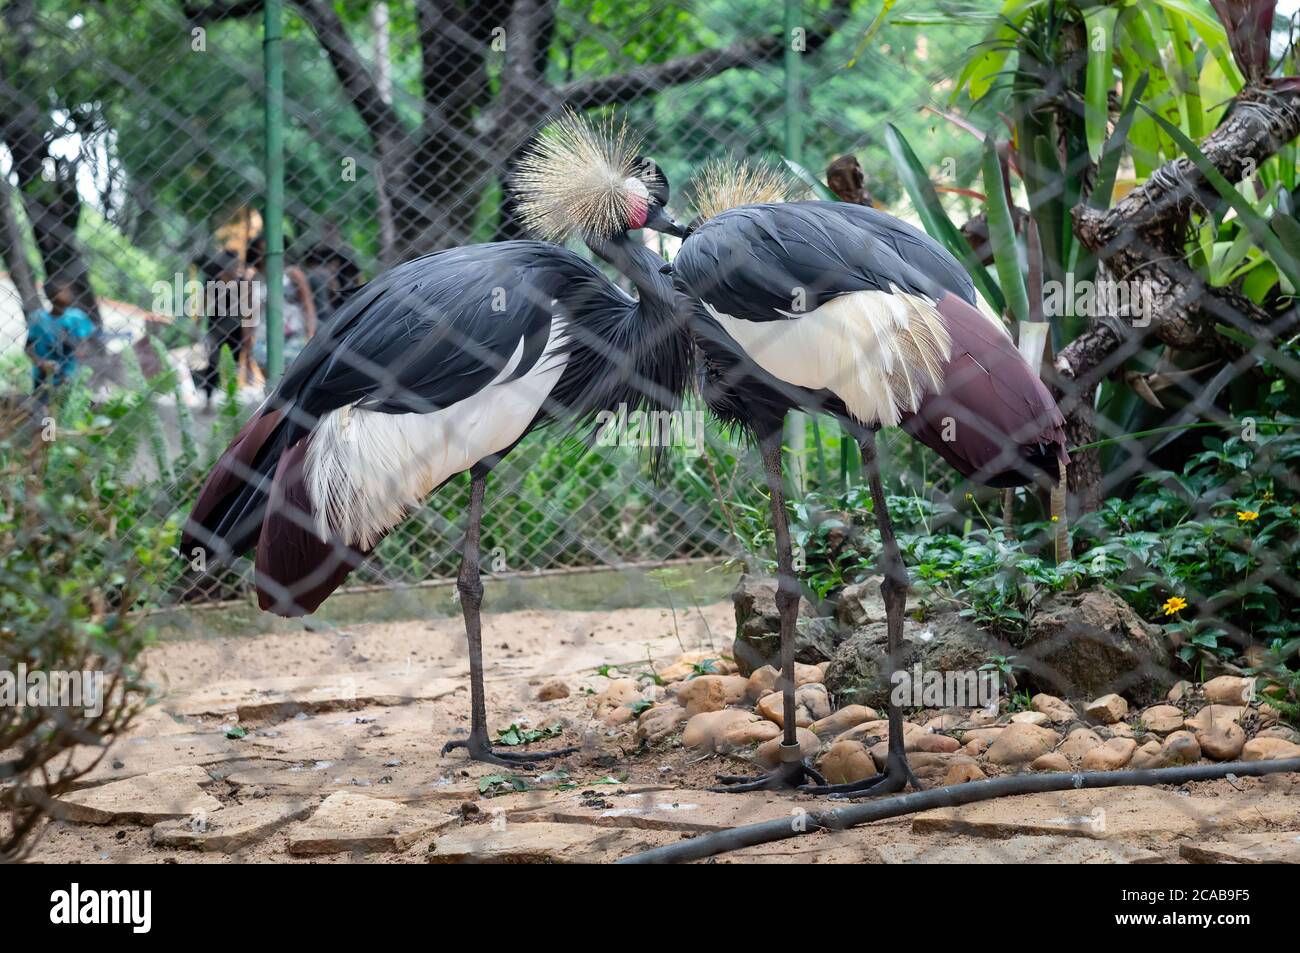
[[13, 252]]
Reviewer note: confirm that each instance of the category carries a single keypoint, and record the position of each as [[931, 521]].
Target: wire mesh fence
[[134, 175], [1155, 299]]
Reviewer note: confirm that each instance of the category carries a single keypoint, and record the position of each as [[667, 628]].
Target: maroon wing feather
[[994, 420], [226, 486], [296, 570]]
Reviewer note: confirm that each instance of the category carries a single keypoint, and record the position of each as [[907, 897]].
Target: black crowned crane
[[840, 309], [440, 367]]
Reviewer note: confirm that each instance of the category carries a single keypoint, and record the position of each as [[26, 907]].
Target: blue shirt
[[56, 338]]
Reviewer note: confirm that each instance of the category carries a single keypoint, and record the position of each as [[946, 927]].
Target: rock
[[1079, 742], [1212, 715], [870, 732], [537, 843], [1141, 816], [811, 704], [1056, 709], [143, 799], [860, 604], [1088, 643], [347, 821], [1163, 719], [1268, 715], [688, 664], [1107, 710], [945, 721], [850, 716], [762, 681], [727, 730], [1146, 757], [984, 735], [1280, 731], [1030, 718], [845, 762], [612, 705], [758, 625], [229, 829], [1052, 761], [1111, 756], [945, 643], [768, 753], [963, 772], [1271, 847], [1221, 741], [975, 747], [918, 742], [710, 692], [1180, 691], [1020, 744], [1269, 749], [1229, 690], [1117, 730], [553, 690], [933, 769], [659, 723], [1181, 747]]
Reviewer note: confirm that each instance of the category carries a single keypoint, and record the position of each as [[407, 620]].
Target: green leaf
[[933, 217], [1100, 24], [1113, 151], [1002, 234], [810, 180], [1256, 223]]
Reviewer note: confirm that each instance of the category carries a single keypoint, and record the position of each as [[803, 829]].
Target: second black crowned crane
[[440, 367], [834, 308]]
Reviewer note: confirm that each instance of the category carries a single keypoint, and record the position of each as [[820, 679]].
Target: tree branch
[[647, 80]]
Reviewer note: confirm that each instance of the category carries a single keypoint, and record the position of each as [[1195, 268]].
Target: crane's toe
[[478, 749], [789, 776]]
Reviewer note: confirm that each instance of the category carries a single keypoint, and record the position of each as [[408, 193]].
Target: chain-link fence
[[135, 176], [1135, 230]]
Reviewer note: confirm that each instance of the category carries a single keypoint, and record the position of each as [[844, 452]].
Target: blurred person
[[299, 305], [227, 322], [56, 339]]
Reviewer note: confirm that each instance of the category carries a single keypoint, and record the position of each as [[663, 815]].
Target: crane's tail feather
[[227, 514], [295, 569], [993, 420], [257, 497]]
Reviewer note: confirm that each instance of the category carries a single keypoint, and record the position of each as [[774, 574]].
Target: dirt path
[[325, 747]]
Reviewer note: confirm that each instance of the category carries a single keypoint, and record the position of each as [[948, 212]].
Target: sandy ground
[[325, 747]]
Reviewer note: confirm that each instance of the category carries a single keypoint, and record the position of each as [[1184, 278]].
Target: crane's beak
[[661, 221]]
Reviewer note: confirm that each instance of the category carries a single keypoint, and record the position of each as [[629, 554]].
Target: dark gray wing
[[910, 244], [772, 262], [436, 330]]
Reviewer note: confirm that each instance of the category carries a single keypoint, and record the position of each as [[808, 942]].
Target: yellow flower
[[1246, 516], [970, 496], [1174, 604], [1056, 519]]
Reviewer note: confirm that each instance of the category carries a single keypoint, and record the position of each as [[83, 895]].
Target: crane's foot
[[787, 776], [896, 777], [478, 748]]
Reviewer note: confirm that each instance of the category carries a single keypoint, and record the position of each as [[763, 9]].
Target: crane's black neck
[[639, 354], [643, 268]]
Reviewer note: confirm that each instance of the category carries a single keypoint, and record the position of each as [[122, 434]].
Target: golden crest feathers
[[571, 179], [729, 183]]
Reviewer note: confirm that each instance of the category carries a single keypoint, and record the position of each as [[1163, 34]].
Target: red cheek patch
[[637, 207]]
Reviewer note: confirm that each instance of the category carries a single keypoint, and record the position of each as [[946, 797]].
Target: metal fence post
[[273, 227]]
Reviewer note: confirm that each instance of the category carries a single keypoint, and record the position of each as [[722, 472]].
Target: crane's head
[[728, 183], [584, 178]]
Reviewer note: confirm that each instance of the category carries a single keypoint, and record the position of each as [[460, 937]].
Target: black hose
[[841, 818]]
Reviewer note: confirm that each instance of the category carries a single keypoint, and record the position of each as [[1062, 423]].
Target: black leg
[[470, 587], [793, 770], [893, 590]]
